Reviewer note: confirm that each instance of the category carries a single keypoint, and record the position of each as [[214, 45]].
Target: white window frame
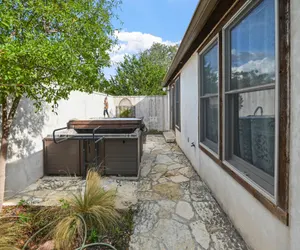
[[203, 141], [237, 163]]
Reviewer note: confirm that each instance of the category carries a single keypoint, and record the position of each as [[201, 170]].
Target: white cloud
[[117, 57], [137, 41], [264, 66], [131, 43], [134, 42]]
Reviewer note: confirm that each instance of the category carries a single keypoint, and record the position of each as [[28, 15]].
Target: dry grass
[[67, 231], [9, 234], [19, 223], [95, 205], [13, 225]]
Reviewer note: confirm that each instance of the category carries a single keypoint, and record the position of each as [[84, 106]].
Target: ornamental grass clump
[[95, 207]]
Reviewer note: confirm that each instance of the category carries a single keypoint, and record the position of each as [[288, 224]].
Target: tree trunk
[[3, 150], [3, 156], [7, 118]]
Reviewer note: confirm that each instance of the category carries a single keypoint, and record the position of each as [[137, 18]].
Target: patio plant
[[85, 215], [95, 207], [125, 113], [48, 49]]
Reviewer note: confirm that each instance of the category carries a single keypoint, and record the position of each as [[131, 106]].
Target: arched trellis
[[125, 108], [125, 102]]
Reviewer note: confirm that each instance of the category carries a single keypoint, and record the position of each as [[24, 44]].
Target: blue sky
[[149, 21], [167, 19]]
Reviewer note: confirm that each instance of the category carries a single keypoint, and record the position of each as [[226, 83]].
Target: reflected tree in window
[[211, 79], [209, 97], [252, 78]]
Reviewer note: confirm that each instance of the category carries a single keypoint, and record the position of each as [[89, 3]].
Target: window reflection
[[254, 140], [210, 71], [211, 105], [250, 113], [253, 48]]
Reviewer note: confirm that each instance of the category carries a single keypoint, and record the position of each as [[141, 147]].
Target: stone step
[[169, 136]]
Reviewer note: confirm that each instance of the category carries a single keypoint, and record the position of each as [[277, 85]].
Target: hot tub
[[113, 146]]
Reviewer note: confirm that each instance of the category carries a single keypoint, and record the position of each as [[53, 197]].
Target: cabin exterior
[[233, 90]]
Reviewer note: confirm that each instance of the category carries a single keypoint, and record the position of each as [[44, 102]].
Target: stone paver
[[200, 233], [185, 210], [175, 208], [178, 178], [48, 191], [164, 159], [173, 234]]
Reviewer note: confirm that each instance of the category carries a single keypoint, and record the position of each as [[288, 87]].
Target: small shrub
[[95, 205], [93, 236], [23, 217], [126, 113], [23, 203], [64, 204]]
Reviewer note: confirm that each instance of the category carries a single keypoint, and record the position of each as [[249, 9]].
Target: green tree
[[246, 79], [49, 48], [143, 73]]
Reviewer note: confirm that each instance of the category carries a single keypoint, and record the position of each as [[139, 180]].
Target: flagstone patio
[[176, 210], [49, 190]]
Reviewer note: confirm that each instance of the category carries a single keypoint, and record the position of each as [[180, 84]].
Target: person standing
[[105, 107]]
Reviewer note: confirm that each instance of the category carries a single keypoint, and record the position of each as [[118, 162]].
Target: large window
[[209, 83], [177, 99], [250, 94]]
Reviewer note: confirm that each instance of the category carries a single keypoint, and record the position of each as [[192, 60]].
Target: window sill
[[267, 203], [255, 175], [208, 149]]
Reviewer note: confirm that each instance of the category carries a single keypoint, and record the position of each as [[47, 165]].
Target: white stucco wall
[[260, 229], [35, 126], [25, 159], [295, 124]]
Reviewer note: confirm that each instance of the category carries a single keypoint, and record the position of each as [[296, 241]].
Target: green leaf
[[53, 54], [5, 24]]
